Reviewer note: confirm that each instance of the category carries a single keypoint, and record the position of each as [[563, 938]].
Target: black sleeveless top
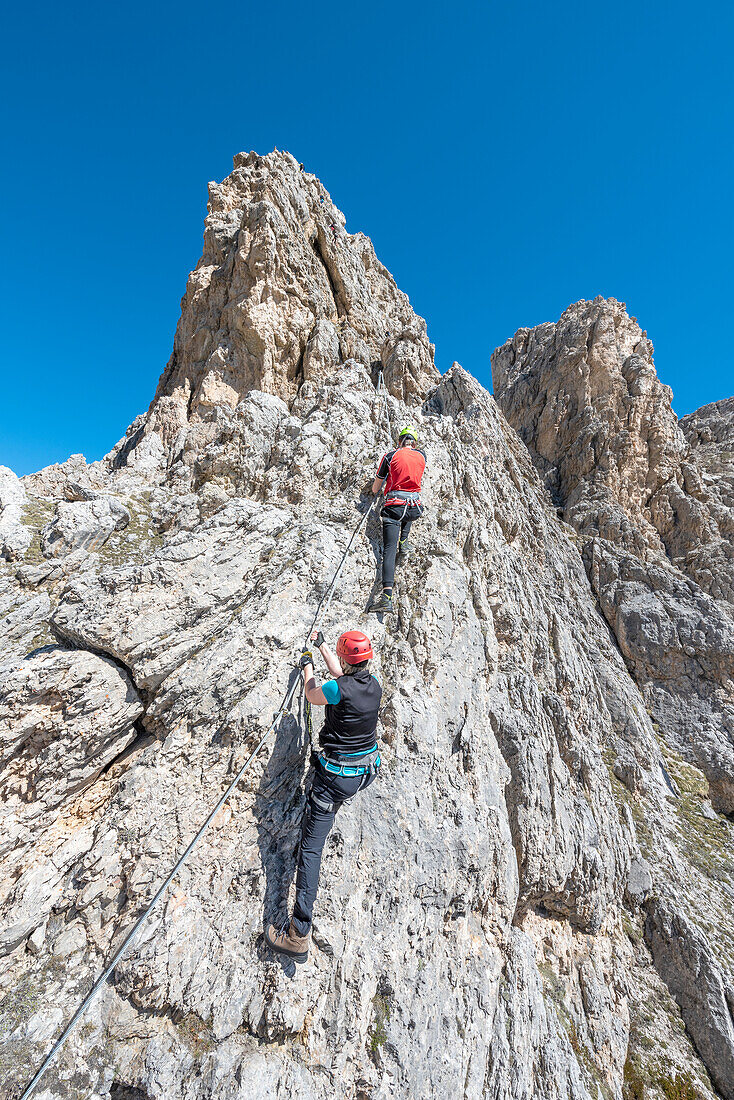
[[350, 724]]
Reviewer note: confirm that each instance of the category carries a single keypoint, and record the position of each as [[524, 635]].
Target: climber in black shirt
[[347, 763]]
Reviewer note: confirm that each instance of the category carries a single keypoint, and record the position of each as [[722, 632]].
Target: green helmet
[[409, 430]]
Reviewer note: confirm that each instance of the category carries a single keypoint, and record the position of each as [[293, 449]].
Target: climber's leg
[[328, 793], [316, 826], [390, 538], [405, 527]]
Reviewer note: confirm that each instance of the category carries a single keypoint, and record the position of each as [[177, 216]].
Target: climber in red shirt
[[401, 471]]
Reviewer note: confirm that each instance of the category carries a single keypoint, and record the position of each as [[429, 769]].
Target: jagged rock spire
[[283, 294], [658, 537]]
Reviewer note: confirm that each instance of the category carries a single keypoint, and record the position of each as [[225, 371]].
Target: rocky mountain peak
[[590, 405], [533, 901], [657, 526], [281, 296]]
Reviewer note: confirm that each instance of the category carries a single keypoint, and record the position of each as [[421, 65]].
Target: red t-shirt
[[403, 469]]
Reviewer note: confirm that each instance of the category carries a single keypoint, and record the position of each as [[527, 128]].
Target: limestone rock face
[[82, 525], [281, 295], [64, 715], [586, 398], [15, 538], [699, 986], [709, 433], [485, 924], [658, 538]]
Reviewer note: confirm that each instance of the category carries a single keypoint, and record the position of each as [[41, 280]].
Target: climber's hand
[[306, 658], [318, 638]]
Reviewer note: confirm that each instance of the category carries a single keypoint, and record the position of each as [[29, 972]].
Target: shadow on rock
[[278, 809], [373, 533]]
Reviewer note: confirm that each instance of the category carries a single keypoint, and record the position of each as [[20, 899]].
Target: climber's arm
[[311, 688], [382, 471], [331, 659], [319, 696]]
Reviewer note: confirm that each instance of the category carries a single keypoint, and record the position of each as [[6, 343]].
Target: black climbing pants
[[327, 790], [396, 523]]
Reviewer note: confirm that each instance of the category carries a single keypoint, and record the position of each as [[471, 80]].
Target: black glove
[[319, 640], [305, 659]]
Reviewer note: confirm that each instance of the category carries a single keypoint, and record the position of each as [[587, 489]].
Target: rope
[[308, 721], [132, 935], [134, 931]]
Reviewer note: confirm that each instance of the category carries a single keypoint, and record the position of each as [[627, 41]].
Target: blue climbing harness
[[335, 767]]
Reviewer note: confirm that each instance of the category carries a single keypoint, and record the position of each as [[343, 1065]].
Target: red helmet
[[354, 647]]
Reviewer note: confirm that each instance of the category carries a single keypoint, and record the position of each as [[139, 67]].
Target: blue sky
[[507, 159]]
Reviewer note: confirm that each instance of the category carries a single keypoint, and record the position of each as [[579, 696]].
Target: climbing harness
[[369, 767], [395, 500], [334, 766], [321, 610], [404, 495]]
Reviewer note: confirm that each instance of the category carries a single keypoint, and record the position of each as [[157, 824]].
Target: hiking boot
[[288, 942], [403, 551], [382, 605]]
